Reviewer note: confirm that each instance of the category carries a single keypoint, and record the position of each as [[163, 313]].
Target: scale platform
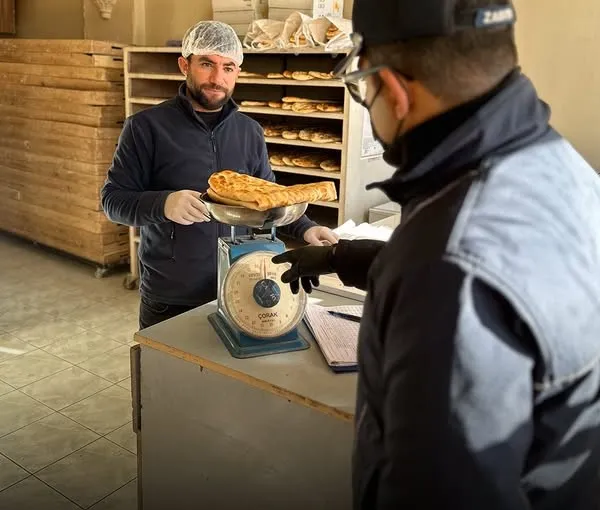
[[242, 346]]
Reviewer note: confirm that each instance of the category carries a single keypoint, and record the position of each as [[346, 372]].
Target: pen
[[353, 318]]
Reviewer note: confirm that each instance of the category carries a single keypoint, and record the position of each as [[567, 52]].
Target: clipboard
[[336, 337]]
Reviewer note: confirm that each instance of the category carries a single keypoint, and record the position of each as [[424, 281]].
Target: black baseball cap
[[390, 21]]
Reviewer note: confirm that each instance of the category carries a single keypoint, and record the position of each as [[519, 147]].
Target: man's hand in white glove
[[185, 207]]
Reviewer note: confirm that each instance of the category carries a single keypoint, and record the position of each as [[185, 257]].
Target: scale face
[[257, 313], [255, 299]]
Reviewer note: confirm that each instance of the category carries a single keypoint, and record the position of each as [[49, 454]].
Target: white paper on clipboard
[[336, 337]]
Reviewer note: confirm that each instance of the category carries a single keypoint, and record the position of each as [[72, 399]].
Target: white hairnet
[[212, 38]]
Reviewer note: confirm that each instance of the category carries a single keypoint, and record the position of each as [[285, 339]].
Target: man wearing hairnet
[[162, 163]]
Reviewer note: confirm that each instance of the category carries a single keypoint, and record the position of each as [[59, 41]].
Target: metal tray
[[241, 216]]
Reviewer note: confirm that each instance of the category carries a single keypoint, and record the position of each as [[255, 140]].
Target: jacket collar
[[184, 102], [503, 121]]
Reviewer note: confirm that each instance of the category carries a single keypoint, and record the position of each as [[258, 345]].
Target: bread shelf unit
[[152, 76]]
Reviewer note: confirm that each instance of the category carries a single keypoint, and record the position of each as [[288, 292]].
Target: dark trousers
[[153, 312]]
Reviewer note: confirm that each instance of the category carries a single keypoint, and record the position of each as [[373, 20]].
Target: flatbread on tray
[[232, 188]]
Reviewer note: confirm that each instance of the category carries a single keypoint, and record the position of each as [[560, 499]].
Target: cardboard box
[[281, 9], [239, 13]]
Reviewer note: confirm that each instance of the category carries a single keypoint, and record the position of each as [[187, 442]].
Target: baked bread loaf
[[287, 106], [294, 99], [233, 188], [246, 74], [329, 107], [287, 74], [307, 161], [275, 159], [321, 76], [301, 76], [330, 165], [254, 103], [290, 134], [275, 76], [306, 134], [273, 130], [304, 107], [288, 159], [274, 104], [324, 137]]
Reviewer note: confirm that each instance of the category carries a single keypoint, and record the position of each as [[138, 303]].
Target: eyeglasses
[[352, 76]]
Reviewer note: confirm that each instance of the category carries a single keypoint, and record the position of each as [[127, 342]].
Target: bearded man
[[162, 164]]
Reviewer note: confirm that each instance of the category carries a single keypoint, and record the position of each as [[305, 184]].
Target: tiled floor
[[66, 440]]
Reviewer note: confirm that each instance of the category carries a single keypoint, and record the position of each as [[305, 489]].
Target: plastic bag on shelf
[[296, 32], [331, 32], [263, 34]]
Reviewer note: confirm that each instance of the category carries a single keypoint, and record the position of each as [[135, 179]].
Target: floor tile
[[40, 444], [125, 437], [32, 494], [114, 365], [92, 473], [94, 316], [104, 412], [66, 388], [30, 367], [24, 316], [123, 499], [126, 384], [10, 473], [67, 304], [11, 346], [5, 388], [46, 333], [18, 410], [121, 330], [82, 347]]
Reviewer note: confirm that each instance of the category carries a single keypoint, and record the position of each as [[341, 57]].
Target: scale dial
[[256, 301]]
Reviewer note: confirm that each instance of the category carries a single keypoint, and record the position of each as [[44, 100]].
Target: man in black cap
[[479, 350]]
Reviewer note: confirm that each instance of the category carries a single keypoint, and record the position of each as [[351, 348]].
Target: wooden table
[[216, 432]]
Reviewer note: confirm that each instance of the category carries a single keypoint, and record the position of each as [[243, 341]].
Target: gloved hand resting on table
[[350, 260]]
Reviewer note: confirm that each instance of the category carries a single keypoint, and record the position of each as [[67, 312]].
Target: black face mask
[[395, 152]]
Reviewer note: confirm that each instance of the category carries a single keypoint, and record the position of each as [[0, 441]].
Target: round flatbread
[[301, 76], [275, 159], [254, 103], [329, 107], [294, 99], [330, 165], [290, 134]]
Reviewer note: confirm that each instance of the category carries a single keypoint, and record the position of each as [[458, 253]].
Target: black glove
[[307, 264]]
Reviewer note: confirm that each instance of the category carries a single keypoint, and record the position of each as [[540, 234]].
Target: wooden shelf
[[157, 76], [147, 100], [152, 77], [292, 83], [304, 143], [244, 81], [289, 113], [306, 171], [287, 51]]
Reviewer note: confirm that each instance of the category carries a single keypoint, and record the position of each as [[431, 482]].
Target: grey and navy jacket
[[479, 350], [168, 148]]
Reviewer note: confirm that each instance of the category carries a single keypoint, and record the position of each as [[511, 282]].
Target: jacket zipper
[[172, 241], [214, 148]]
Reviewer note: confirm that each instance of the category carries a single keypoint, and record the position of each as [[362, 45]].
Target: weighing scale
[[257, 314]]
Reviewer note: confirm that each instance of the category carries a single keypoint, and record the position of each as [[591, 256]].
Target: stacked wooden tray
[[62, 110]]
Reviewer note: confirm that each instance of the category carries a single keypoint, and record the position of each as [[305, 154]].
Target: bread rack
[[152, 76]]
